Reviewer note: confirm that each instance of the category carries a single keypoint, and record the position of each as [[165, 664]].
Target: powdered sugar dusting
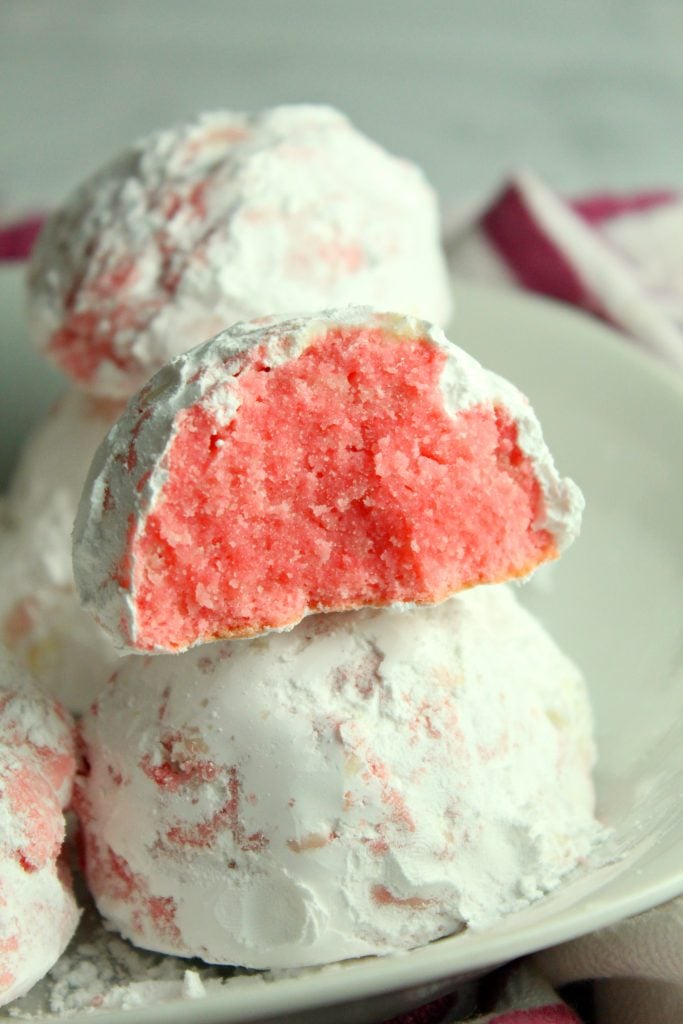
[[228, 217], [41, 620], [38, 913], [365, 783], [131, 470], [100, 971]]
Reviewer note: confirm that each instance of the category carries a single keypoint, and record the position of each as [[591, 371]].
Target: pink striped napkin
[[17, 237], [619, 258]]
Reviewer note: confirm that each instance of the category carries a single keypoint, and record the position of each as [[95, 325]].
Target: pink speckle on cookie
[[347, 809], [227, 217], [38, 912], [32, 798], [153, 916], [384, 897]]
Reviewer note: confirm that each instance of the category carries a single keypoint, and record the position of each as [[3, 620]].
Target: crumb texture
[[342, 482], [327, 463]]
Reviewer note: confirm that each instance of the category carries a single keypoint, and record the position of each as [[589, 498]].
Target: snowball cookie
[[41, 618], [361, 784], [225, 218], [38, 913], [56, 456], [319, 464]]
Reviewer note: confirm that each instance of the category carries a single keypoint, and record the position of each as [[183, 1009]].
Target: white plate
[[614, 420]]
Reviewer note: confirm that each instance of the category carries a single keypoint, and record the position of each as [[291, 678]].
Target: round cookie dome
[[56, 455], [322, 463], [41, 618], [228, 217], [38, 912], [364, 783]]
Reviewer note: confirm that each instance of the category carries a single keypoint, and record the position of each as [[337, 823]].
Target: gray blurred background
[[589, 93]]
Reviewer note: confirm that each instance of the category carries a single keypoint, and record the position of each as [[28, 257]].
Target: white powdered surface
[[41, 619], [228, 217], [362, 784], [100, 971], [131, 467]]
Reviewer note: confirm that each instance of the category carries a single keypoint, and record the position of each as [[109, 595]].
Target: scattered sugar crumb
[[101, 971], [193, 986]]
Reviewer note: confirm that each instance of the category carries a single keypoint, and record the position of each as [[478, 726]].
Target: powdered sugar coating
[[130, 471], [38, 913], [362, 784], [56, 456], [41, 619], [224, 218], [34, 725]]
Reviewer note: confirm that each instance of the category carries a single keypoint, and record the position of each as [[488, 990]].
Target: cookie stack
[[38, 912], [349, 737], [226, 217], [333, 731]]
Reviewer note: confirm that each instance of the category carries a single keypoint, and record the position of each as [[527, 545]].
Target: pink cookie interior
[[342, 481]]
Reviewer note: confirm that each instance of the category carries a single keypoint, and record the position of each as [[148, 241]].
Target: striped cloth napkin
[[619, 258], [17, 237]]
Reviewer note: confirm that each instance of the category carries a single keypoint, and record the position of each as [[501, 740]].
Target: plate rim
[[327, 986]]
